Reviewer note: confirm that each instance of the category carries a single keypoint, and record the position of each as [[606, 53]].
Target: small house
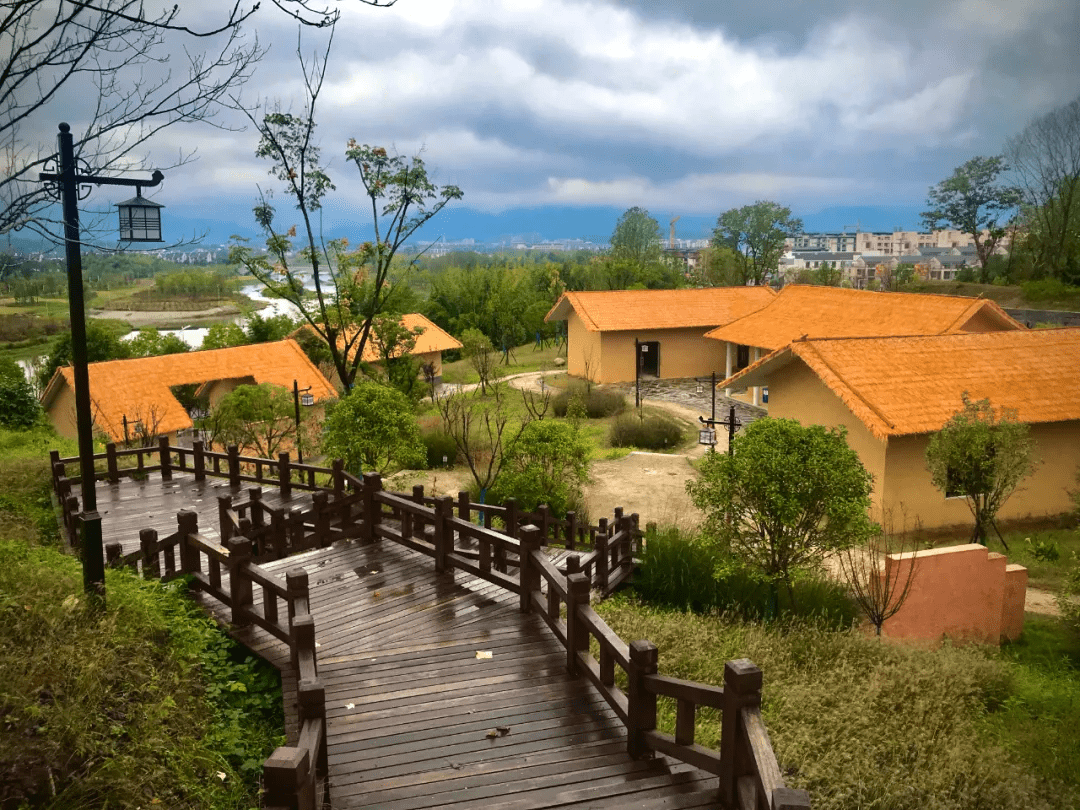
[[134, 399], [892, 394], [613, 335], [802, 311]]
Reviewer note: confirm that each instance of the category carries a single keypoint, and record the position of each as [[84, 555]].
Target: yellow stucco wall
[[1045, 492], [795, 392], [62, 412], [584, 347]]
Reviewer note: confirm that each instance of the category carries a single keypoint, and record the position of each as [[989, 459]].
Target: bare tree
[[122, 56], [537, 403], [482, 430], [351, 287], [878, 588]]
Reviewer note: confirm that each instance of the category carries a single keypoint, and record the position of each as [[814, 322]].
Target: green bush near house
[[439, 445]]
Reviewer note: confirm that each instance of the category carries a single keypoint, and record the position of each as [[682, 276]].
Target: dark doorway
[[649, 358]]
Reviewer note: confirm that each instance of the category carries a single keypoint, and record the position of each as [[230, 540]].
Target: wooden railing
[[293, 776], [611, 546], [745, 764]]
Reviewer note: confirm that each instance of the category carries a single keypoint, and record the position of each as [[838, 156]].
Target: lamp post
[[307, 400], [140, 228]]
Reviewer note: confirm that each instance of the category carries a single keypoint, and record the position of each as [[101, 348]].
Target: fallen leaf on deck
[[350, 705], [499, 731], [483, 653]]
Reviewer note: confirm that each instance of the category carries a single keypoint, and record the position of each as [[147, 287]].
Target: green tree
[[373, 427], [637, 238], [1045, 157], [972, 201], [395, 343], [787, 495], [351, 287], [755, 234], [477, 349], [548, 463], [151, 343], [224, 335], [256, 418], [717, 267], [983, 454], [19, 408], [265, 330]]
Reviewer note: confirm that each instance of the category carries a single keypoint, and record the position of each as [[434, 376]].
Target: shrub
[[655, 432], [441, 449], [691, 572], [598, 402], [1049, 289], [547, 463]]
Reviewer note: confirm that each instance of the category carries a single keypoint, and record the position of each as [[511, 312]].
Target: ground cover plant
[[865, 724], [145, 704]]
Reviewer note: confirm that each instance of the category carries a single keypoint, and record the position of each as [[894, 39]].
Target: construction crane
[[671, 236]]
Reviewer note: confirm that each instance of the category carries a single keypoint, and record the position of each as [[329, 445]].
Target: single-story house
[[801, 311], [614, 334], [134, 398], [431, 342], [893, 393]]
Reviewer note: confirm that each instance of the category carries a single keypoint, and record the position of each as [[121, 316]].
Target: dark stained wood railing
[[745, 765], [293, 776]]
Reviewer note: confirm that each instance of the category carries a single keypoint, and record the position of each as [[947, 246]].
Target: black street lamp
[[307, 399], [67, 185]]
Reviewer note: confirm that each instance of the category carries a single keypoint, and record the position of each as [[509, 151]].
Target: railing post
[[511, 517], [151, 566], [234, 465], [285, 776], [635, 535], [372, 508], [284, 480], [641, 703], [113, 554], [54, 460], [224, 504], [600, 572], [296, 586], [444, 533], [110, 462], [198, 460], [577, 637], [338, 467], [72, 503], [296, 531], [529, 538], [463, 505], [164, 458], [742, 688], [321, 518], [571, 530], [255, 496], [311, 696], [187, 524], [239, 582]]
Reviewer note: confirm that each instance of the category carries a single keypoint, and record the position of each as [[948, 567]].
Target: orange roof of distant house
[[816, 312], [899, 386], [622, 310], [431, 339], [139, 388]]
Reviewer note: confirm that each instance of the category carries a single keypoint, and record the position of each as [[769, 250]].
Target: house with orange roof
[[612, 335], [132, 398], [804, 311], [431, 342], [893, 393]]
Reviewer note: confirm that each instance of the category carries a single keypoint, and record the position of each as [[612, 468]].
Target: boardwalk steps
[[381, 608]]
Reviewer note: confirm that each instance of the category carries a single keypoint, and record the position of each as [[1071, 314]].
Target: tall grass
[[687, 570], [866, 724]]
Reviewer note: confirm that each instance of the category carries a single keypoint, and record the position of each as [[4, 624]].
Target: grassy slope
[[1010, 296], [146, 704], [868, 724]]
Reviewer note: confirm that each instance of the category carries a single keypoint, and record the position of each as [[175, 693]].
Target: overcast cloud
[[686, 106]]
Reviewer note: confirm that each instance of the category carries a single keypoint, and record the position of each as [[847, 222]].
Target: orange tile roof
[[622, 310], [899, 386], [806, 311], [139, 387], [431, 339]]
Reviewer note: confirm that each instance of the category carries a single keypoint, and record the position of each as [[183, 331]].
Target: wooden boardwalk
[[415, 717]]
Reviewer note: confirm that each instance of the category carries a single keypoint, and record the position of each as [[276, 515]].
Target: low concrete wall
[[966, 593]]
